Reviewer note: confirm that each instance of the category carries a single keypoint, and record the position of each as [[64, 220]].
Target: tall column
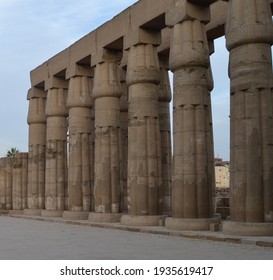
[[6, 183], [144, 147], [124, 136], [3, 184], [211, 167], [108, 181], [79, 103], [56, 148], [165, 97], [192, 207], [36, 154], [249, 36], [19, 181]]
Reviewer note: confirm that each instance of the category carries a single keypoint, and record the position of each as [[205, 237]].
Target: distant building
[[222, 187], [221, 173]]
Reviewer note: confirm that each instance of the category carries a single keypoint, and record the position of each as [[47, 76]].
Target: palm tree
[[12, 152]]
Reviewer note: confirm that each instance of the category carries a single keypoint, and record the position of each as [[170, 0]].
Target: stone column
[[56, 148], [192, 207], [108, 181], [249, 36], [5, 183], [211, 167], [144, 147], [165, 97], [80, 165], [124, 136], [36, 154], [9, 163], [19, 181]]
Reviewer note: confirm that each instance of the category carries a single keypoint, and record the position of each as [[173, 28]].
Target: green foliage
[[12, 152]]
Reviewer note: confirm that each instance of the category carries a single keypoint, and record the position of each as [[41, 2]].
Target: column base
[[75, 215], [52, 213], [32, 212], [16, 212], [137, 220], [190, 224], [104, 217], [248, 229]]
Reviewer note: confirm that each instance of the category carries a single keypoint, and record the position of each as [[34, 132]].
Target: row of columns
[[99, 162], [97, 159], [13, 183]]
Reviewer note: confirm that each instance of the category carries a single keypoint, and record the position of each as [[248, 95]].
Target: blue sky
[[32, 31]]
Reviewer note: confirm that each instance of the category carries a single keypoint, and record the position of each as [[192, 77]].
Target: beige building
[[221, 173]]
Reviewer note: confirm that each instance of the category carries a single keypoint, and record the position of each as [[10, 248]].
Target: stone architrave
[[79, 103], [107, 181], [56, 148], [36, 153], [144, 145], [192, 207], [249, 37], [165, 97]]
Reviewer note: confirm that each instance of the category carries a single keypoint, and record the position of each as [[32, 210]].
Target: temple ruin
[[99, 121]]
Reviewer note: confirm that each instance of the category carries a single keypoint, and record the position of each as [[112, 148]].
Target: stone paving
[[24, 238]]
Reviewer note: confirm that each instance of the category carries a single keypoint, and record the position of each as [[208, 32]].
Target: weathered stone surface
[[81, 147], [124, 137], [56, 150], [37, 147], [246, 228], [165, 132], [144, 150], [105, 217], [192, 184], [108, 179], [190, 224], [139, 220], [19, 181], [249, 33], [5, 183]]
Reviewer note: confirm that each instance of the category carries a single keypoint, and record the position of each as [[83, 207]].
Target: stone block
[[75, 69], [142, 36], [105, 55], [183, 10], [190, 224], [105, 217], [137, 220], [51, 213], [214, 227], [75, 215], [247, 229]]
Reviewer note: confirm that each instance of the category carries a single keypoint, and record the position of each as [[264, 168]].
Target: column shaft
[[108, 181], [56, 150], [37, 147], [165, 132], [124, 138], [19, 181], [144, 147], [80, 143], [192, 182], [249, 34]]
